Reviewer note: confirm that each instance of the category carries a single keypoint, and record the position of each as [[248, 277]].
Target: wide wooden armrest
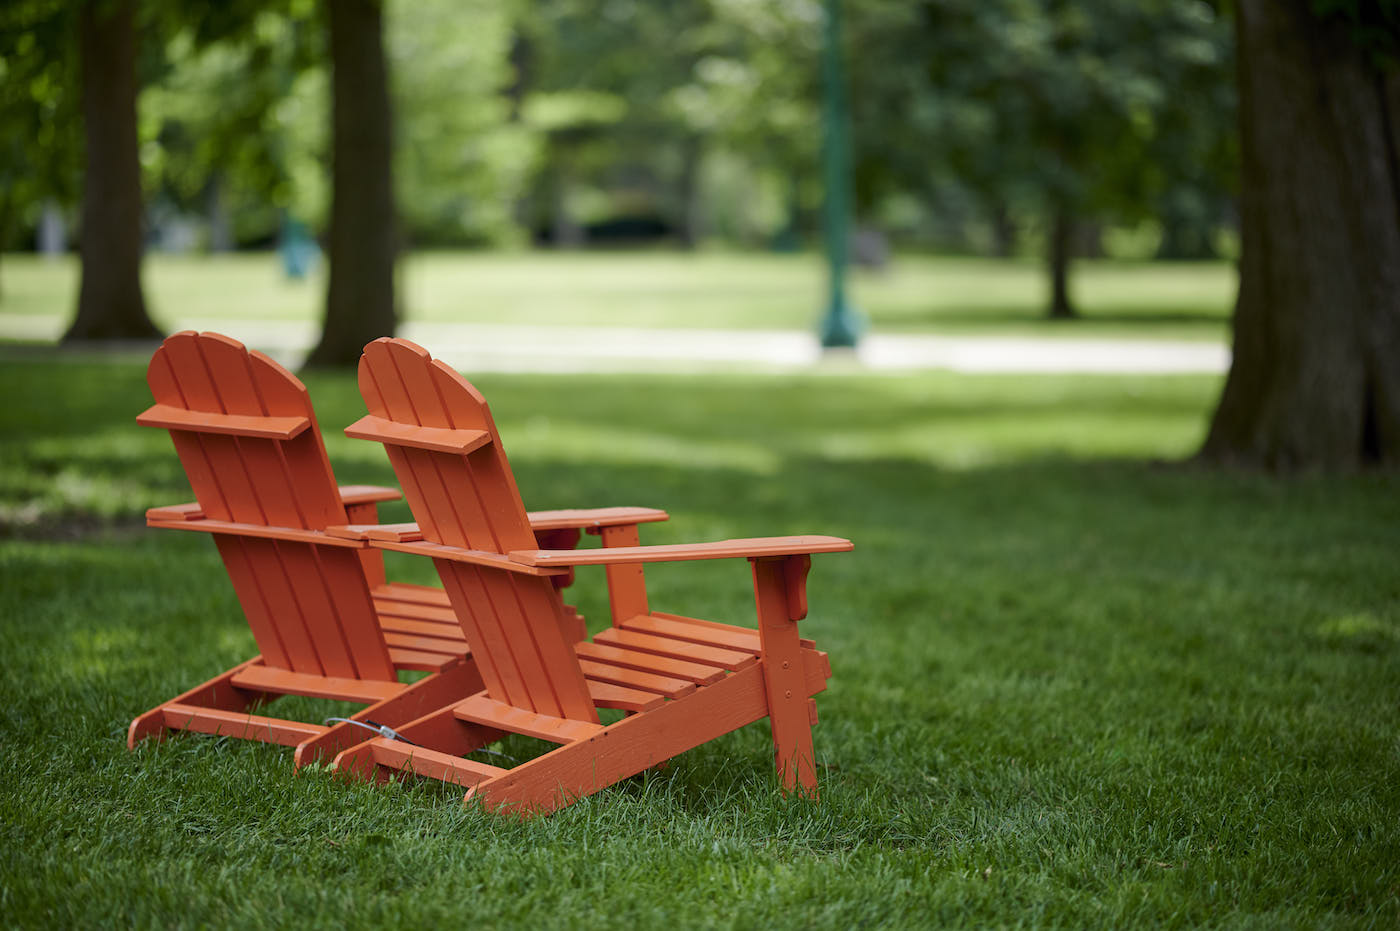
[[539, 520], [582, 518], [367, 494], [191, 511], [261, 426], [461, 554], [752, 548], [394, 533], [438, 439], [265, 531]]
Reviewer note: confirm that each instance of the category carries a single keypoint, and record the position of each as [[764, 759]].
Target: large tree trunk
[[1316, 375], [1059, 249], [110, 303], [363, 244]]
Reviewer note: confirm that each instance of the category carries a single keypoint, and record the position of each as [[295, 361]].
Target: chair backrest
[[447, 454], [246, 435]]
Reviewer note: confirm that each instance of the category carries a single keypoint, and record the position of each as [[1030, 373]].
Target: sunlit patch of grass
[[916, 293]]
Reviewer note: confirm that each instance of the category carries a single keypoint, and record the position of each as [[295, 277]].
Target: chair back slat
[[513, 621], [309, 607]]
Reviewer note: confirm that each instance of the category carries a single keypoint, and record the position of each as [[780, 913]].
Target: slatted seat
[[327, 622], [681, 681]]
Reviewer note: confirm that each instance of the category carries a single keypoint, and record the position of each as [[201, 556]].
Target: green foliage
[[1103, 108], [1067, 693], [40, 130]]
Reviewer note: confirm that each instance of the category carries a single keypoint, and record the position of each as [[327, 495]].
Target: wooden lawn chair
[[327, 622], [682, 681]]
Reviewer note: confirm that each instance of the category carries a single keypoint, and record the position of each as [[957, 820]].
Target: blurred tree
[[40, 130], [362, 238], [110, 302], [1315, 381], [1073, 110]]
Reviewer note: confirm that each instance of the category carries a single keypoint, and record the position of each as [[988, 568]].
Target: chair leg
[[219, 692], [438, 730], [781, 655], [455, 682]]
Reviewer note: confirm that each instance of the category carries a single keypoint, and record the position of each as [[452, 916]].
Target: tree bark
[[110, 303], [1315, 381], [1060, 247], [362, 242]]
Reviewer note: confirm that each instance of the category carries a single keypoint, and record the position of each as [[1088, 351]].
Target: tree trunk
[[1315, 381], [1060, 247], [363, 246], [110, 303]]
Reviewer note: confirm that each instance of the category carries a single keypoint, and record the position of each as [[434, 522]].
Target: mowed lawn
[[665, 289], [1074, 685]]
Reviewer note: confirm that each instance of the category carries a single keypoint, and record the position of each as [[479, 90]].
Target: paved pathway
[[476, 347]]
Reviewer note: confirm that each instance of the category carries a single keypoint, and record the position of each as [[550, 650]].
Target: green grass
[[660, 289], [1072, 687]]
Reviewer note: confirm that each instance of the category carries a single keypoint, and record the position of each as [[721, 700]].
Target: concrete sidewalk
[[493, 348]]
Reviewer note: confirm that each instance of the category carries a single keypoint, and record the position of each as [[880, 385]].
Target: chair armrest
[[393, 533], [367, 494], [539, 520], [751, 548], [587, 518], [264, 531]]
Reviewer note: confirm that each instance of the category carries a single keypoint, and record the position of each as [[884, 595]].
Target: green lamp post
[[842, 323]]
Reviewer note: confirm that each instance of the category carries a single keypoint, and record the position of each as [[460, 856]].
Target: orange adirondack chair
[[327, 622], [683, 681]]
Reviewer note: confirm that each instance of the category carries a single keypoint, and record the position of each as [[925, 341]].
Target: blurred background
[[984, 147]]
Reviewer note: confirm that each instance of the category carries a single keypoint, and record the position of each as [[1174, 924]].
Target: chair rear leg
[[219, 692]]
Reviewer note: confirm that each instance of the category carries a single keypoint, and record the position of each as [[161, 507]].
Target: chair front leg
[[371, 559], [779, 584], [627, 584]]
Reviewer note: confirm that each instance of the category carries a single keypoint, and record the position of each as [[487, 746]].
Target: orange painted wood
[[627, 584], [634, 679], [175, 418], [257, 610], [457, 678], [457, 554], [408, 624], [310, 590], [283, 682], [398, 533], [680, 649], [741, 638], [256, 530], [626, 748], [438, 439], [351, 495], [699, 673], [474, 527], [783, 676], [423, 762], [608, 695], [236, 724], [246, 434], [219, 692], [593, 517], [482, 709], [409, 592], [681, 552], [350, 610], [190, 511], [482, 626], [426, 644]]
